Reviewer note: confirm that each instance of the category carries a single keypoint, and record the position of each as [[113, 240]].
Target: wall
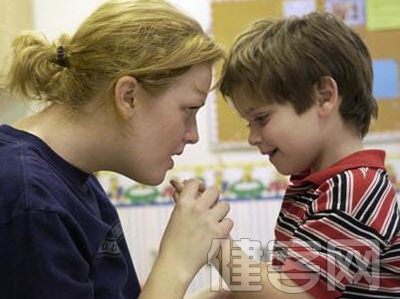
[[15, 15]]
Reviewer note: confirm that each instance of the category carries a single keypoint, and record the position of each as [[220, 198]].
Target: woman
[[122, 95]]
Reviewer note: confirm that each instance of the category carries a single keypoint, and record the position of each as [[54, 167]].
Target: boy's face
[[293, 142]]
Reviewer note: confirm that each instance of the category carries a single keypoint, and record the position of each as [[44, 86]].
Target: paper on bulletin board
[[352, 12], [382, 15], [386, 79], [298, 7]]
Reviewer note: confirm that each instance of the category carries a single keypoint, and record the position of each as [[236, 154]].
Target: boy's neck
[[338, 146]]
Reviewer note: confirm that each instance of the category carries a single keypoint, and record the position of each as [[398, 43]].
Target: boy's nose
[[253, 138]]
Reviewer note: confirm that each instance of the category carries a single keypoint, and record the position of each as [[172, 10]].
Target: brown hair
[[281, 60], [148, 39]]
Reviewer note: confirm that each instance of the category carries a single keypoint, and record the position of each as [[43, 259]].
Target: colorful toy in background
[[122, 191], [236, 181], [278, 184], [219, 181], [142, 194], [247, 186], [199, 174]]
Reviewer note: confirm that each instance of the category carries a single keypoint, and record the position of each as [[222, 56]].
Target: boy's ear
[[124, 95], [327, 95]]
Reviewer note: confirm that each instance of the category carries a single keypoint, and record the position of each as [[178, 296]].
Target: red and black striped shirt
[[338, 231]]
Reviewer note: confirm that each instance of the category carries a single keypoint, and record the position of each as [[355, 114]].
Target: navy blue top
[[60, 237]]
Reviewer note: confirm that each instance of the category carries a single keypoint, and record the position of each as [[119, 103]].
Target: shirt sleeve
[[43, 256], [339, 241], [325, 256]]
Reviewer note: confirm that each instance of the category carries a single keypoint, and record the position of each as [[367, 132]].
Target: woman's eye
[[192, 110]]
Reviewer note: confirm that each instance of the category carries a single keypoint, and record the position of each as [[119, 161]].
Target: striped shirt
[[338, 231]]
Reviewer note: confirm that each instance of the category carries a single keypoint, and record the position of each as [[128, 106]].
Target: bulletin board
[[229, 18]]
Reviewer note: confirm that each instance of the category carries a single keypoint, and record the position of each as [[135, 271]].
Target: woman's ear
[[327, 96], [124, 95]]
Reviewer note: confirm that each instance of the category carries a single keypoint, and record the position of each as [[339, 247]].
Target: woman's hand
[[196, 220]]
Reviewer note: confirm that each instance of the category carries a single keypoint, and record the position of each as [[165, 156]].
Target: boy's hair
[[281, 60], [148, 39]]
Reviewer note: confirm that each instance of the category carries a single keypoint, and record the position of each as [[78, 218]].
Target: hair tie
[[61, 59]]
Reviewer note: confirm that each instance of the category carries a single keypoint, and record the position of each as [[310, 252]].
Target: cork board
[[231, 17]]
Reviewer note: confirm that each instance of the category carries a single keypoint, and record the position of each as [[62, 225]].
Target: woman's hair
[[281, 60], [148, 39]]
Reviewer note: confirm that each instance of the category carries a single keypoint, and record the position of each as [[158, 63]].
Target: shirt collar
[[364, 158]]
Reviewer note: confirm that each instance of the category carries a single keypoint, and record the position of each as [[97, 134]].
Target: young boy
[[304, 84]]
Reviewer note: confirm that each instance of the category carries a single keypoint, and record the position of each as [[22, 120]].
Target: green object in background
[[141, 194], [247, 189]]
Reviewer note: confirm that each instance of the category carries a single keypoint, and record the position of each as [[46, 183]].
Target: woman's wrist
[[175, 268]]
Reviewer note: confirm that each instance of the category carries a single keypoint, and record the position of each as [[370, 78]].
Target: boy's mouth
[[271, 152]]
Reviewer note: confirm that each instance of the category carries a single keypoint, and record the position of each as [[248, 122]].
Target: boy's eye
[[259, 120]]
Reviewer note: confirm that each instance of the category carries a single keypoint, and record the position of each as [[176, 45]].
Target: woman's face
[[163, 125]]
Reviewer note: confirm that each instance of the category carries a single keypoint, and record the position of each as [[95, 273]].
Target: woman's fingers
[[209, 197], [219, 213], [205, 199], [179, 186], [190, 191], [220, 210], [226, 225]]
